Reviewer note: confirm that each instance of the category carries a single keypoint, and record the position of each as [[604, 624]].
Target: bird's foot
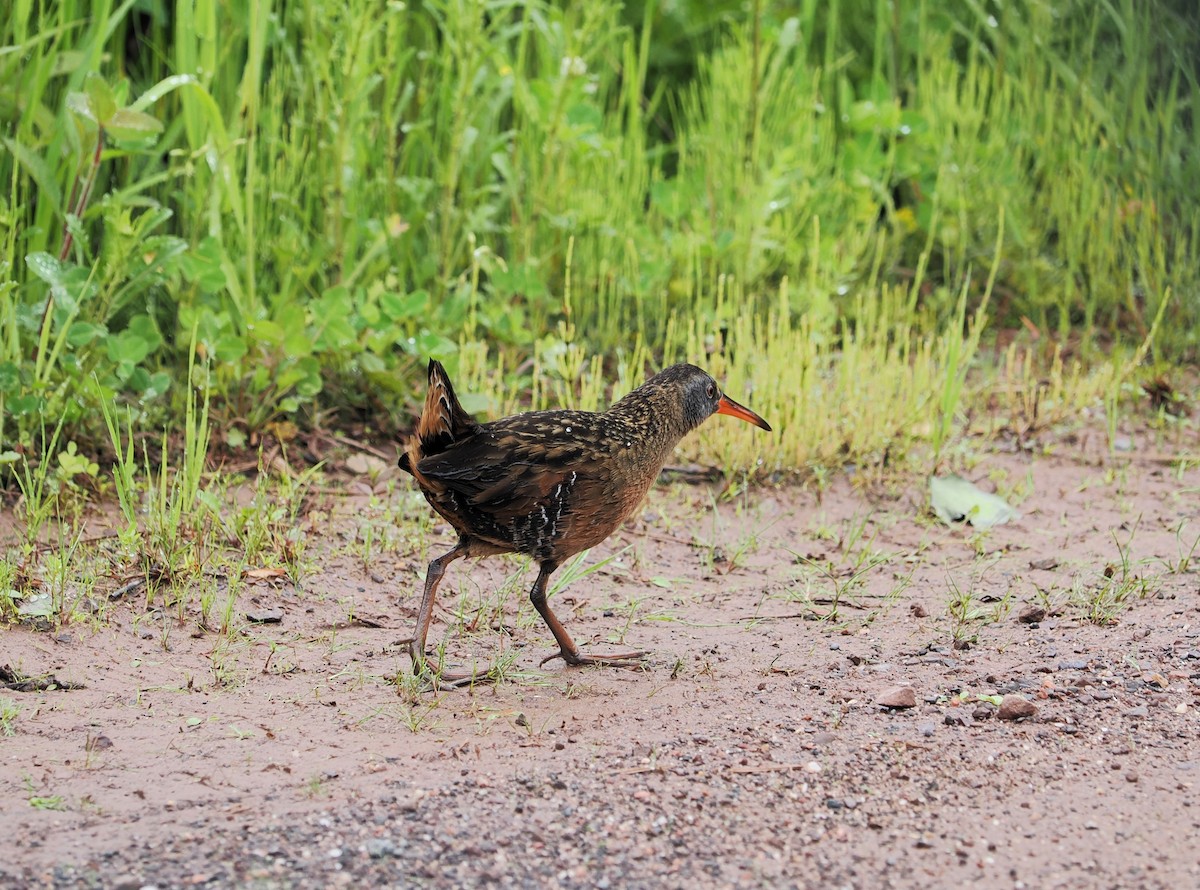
[[436, 680], [450, 682], [616, 659]]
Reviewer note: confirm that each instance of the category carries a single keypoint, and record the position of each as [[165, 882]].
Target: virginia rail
[[548, 484]]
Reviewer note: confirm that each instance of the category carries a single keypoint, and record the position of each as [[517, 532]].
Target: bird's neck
[[651, 419]]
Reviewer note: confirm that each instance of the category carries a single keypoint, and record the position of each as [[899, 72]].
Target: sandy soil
[[749, 750]]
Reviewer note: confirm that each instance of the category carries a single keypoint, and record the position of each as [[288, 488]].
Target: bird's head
[[699, 397]]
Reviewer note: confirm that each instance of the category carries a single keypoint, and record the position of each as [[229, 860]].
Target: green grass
[[881, 226], [329, 193]]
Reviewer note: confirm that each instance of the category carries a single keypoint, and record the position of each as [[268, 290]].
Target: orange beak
[[741, 412]]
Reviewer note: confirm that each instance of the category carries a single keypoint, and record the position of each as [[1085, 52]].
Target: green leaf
[[399, 307], [230, 348], [371, 363], [68, 282], [132, 345], [336, 334], [433, 345], [144, 327], [131, 126], [160, 382], [311, 383], [10, 377], [203, 266], [100, 98], [81, 107], [47, 268], [266, 331], [83, 332], [955, 499], [296, 344], [22, 406], [138, 380]]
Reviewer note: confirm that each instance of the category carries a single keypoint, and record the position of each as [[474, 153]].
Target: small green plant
[[233, 587], [314, 788], [42, 801], [38, 495], [9, 710], [1185, 552], [1103, 599], [418, 716], [965, 611], [178, 509]]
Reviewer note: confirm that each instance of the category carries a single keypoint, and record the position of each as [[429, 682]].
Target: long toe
[[449, 681], [616, 659]]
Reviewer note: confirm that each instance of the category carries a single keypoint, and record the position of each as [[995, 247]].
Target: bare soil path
[[749, 750]]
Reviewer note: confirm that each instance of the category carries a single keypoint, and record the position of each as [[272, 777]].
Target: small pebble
[[1013, 707], [378, 847], [1031, 615], [265, 616], [897, 697]]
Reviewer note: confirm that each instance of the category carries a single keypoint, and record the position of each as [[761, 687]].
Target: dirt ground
[[749, 750]]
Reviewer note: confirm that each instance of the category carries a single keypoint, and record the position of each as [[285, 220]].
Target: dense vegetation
[[822, 201]]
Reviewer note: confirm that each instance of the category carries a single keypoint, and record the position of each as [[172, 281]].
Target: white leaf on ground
[[40, 605], [955, 499]]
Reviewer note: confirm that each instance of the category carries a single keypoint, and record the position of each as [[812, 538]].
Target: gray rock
[[378, 847], [265, 616]]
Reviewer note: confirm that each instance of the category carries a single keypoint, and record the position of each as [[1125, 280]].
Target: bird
[[547, 484]]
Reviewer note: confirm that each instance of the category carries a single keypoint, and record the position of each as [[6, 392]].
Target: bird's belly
[[590, 523]]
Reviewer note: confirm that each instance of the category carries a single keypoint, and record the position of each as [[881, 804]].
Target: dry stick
[[84, 196]]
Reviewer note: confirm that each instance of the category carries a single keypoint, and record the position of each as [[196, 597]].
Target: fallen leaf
[[261, 574], [954, 499]]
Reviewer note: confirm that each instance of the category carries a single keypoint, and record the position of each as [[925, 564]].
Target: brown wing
[[508, 470], [518, 481]]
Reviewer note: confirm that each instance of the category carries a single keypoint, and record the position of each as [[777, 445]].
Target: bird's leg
[[433, 577], [567, 650], [442, 681]]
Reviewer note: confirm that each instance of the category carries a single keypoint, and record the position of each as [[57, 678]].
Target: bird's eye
[[711, 392]]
